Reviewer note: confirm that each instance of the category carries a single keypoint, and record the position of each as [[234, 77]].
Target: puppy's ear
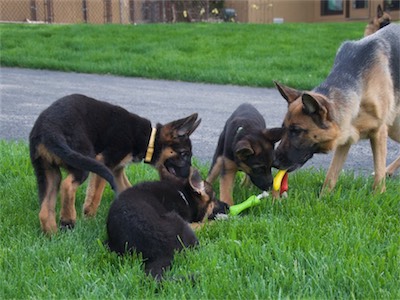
[[186, 126], [193, 127], [274, 134], [195, 180], [179, 128], [288, 93], [243, 149]]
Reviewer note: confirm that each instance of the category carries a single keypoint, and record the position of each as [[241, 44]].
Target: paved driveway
[[25, 93]]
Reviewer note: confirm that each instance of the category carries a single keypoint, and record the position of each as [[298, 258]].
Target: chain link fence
[[110, 11]]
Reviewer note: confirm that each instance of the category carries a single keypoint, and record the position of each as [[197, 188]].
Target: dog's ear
[[195, 180], [310, 104], [288, 93], [317, 109], [243, 149], [193, 127], [274, 134], [186, 126], [379, 11]]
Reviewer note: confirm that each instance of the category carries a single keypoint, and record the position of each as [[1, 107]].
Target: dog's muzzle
[[282, 162], [177, 169]]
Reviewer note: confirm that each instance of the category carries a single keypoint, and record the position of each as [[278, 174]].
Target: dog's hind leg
[[68, 193], [94, 192], [96, 187], [49, 184], [339, 157], [121, 179], [379, 150]]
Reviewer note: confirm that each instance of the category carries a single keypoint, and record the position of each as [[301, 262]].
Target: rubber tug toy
[[279, 189]]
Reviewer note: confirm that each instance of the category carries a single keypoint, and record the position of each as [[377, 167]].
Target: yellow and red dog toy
[[279, 189]]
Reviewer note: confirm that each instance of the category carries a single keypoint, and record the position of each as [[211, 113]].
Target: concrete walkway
[[25, 93]]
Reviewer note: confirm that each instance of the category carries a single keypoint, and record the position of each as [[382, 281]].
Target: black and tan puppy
[[381, 19], [152, 218], [244, 145], [85, 135], [359, 99]]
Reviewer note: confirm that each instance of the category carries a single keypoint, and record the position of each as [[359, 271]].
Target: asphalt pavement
[[24, 93]]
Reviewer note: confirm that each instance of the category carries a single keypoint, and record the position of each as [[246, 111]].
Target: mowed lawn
[[242, 54], [345, 245]]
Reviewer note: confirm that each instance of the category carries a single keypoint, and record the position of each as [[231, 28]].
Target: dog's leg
[[227, 181], [121, 179], [215, 170], [197, 225], [393, 167], [394, 134], [379, 150], [49, 186], [68, 212], [339, 157], [94, 192]]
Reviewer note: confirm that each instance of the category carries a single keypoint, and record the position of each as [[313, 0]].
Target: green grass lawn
[[300, 55], [345, 245]]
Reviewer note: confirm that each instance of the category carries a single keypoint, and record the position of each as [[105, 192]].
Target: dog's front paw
[[221, 209], [67, 225], [221, 217]]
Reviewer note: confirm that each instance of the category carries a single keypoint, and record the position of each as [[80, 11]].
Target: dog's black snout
[[277, 162], [264, 182]]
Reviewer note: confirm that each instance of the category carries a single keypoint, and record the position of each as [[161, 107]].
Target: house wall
[[265, 11]]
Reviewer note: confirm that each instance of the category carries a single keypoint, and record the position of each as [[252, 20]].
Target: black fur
[[152, 218], [246, 141]]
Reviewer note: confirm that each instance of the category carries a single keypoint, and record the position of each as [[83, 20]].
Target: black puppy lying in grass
[[153, 218]]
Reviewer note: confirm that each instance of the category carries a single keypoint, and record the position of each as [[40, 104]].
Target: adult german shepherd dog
[[152, 218], [381, 20], [360, 99], [244, 144], [85, 135]]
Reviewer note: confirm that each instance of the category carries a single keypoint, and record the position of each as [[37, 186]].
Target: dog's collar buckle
[[150, 147]]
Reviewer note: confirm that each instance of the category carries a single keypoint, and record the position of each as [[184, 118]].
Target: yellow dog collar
[[150, 147]]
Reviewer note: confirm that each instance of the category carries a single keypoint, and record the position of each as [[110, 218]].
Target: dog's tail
[[80, 161]]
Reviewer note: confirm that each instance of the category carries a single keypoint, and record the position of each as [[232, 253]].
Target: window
[[360, 4], [390, 5], [331, 7]]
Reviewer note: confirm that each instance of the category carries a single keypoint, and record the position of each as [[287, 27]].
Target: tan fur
[[51, 158], [94, 192], [226, 180], [97, 184], [374, 25], [68, 190], [375, 117], [324, 137], [47, 214]]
